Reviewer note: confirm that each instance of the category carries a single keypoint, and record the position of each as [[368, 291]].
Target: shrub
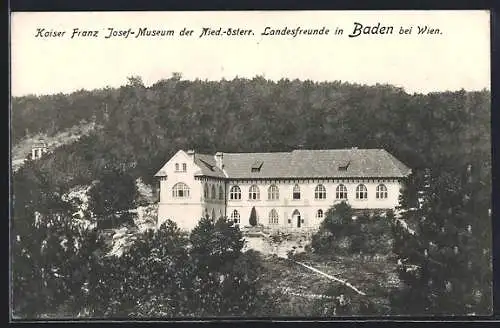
[[115, 192], [339, 233], [52, 266]]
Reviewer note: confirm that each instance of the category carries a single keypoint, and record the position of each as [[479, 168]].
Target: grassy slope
[[373, 276]]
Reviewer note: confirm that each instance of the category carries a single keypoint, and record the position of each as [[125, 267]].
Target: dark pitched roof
[[239, 165], [359, 163], [314, 164], [328, 163], [208, 166]]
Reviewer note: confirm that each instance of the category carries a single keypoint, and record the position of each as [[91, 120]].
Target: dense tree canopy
[[445, 266], [144, 126]]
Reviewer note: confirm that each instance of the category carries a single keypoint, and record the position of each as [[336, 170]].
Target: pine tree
[[446, 265], [253, 217], [113, 195]]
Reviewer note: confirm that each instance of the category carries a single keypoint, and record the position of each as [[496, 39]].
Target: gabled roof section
[[207, 166], [161, 173]]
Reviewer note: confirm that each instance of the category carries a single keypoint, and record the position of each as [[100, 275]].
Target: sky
[[456, 58]]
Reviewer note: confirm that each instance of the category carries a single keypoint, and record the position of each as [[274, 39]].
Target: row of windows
[[177, 168], [273, 216], [181, 190], [319, 192], [213, 192]]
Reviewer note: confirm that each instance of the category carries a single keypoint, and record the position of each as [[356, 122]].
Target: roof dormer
[[257, 165], [343, 165]]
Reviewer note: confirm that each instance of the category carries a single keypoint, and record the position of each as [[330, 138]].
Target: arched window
[[273, 217], [273, 193], [235, 193], [381, 192], [221, 193], [341, 192], [320, 192], [214, 195], [361, 192], [235, 217], [319, 214], [296, 192], [254, 193], [176, 167], [180, 190], [213, 214], [205, 191]]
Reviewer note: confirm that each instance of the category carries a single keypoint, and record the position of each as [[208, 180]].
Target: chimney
[[191, 153], [219, 156]]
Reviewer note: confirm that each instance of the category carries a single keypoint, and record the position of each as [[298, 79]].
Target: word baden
[[378, 29]]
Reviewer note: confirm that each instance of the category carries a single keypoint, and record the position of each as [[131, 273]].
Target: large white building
[[287, 189]]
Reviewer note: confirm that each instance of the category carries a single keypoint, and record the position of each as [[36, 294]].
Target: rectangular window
[[184, 167], [296, 195]]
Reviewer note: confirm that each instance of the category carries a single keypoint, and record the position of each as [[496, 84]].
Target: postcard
[[250, 164]]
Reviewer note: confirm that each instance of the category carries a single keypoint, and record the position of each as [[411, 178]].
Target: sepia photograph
[[250, 164]]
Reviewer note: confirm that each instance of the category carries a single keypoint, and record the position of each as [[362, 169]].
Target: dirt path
[[330, 277]]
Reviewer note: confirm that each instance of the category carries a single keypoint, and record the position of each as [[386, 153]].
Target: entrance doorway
[[296, 218]]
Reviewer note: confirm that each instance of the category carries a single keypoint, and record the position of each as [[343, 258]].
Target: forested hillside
[[60, 269], [144, 126]]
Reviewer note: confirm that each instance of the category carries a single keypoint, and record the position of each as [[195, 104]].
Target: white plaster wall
[[307, 205], [186, 212]]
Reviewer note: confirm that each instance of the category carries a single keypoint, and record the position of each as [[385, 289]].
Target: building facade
[[38, 150], [287, 189]]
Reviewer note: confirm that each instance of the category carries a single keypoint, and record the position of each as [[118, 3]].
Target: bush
[[52, 267], [342, 301], [154, 268], [299, 257], [322, 242], [166, 274], [115, 192], [339, 233], [337, 218]]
